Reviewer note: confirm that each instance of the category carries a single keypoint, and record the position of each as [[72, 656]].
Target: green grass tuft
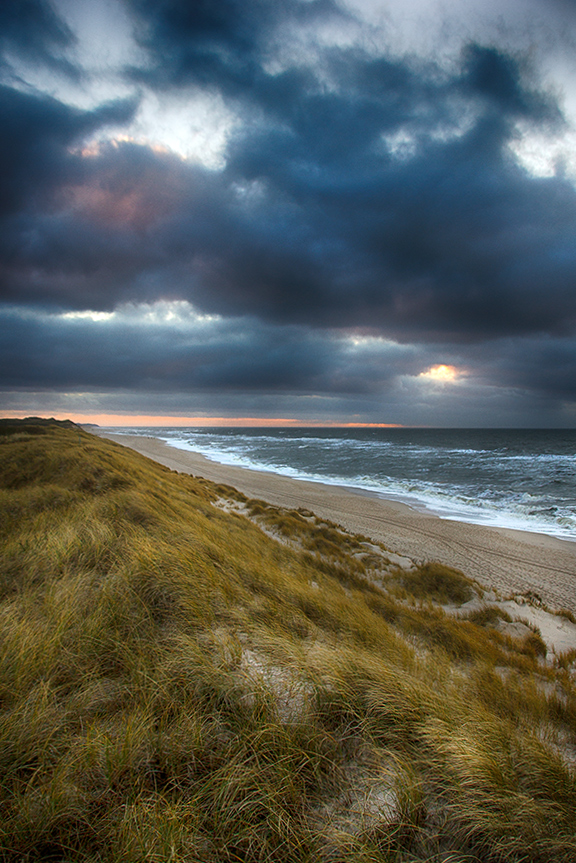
[[439, 583]]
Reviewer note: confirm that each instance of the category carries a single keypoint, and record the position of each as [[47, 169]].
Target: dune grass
[[176, 685]]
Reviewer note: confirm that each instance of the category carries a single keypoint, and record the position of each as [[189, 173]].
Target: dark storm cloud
[[452, 241], [490, 74], [45, 254], [358, 191], [31, 29], [35, 136], [183, 352], [217, 44], [313, 220], [545, 365]]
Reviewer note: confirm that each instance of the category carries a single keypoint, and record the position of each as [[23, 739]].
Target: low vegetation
[[177, 684]]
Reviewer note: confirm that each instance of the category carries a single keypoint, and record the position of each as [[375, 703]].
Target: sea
[[516, 478]]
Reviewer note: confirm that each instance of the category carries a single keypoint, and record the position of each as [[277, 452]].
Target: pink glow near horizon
[[111, 420]]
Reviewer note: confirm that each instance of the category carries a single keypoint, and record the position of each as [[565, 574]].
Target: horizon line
[[148, 421]]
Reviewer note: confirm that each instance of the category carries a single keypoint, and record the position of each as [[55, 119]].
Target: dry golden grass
[[175, 685]]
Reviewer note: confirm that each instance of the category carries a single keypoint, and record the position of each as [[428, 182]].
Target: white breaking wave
[[481, 478]]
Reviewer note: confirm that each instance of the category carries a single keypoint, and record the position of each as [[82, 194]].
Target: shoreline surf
[[511, 561], [475, 486]]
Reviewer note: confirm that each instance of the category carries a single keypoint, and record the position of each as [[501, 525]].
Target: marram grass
[[177, 685]]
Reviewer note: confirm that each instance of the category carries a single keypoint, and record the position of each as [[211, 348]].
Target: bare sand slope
[[508, 560]]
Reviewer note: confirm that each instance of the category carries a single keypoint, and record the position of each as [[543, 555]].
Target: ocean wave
[[518, 510], [487, 480]]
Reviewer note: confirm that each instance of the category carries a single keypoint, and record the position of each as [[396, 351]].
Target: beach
[[510, 561]]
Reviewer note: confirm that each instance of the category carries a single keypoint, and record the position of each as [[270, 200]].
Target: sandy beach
[[507, 560]]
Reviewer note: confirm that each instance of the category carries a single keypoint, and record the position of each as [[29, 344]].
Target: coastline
[[510, 561]]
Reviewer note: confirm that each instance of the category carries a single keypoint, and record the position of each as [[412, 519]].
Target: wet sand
[[510, 561]]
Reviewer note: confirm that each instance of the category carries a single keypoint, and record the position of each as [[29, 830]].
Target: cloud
[[170, 345], [35, 137], [170, 356], [538, 365], [223, 45], [308, 222], [497, 77], [32, 30]]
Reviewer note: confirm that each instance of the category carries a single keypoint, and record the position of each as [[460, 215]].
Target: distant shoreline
[[508, 560]]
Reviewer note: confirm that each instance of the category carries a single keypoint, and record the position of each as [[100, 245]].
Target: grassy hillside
[[190, 676]]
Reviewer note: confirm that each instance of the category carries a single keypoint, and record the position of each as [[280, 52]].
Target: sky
[[299, 211]]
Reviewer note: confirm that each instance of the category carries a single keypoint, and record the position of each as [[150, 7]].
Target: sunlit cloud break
[[442, 374]]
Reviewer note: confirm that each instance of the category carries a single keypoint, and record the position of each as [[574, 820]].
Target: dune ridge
[[191, 674]]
